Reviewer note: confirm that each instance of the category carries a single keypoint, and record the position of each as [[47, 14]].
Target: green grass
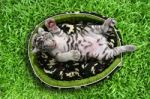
[[19, 17]]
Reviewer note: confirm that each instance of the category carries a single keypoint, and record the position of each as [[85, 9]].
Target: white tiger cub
[[87, 43]]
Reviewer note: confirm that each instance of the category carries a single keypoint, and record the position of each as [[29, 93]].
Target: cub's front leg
[[73, 55], [52, 27]]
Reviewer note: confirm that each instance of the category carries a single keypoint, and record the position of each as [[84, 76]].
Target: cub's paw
[[110, 22], [75, 55], [130, 48]]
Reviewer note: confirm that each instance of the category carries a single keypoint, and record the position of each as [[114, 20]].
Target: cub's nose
[[48, 42]]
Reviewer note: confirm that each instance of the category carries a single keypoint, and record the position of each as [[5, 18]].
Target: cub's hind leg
[[107, 24], [99, 29]]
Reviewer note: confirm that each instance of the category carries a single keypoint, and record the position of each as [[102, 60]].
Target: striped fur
[[89, 42]]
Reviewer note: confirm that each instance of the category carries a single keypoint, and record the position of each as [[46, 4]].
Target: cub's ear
[[50, 24], [40, 30], [35, 50]]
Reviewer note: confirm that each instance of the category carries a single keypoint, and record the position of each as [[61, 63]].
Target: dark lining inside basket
[[69, 67]]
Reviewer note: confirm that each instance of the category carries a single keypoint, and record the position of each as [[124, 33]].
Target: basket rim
[[31, 56]]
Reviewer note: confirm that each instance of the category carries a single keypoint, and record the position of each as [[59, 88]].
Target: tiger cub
[[90, 42]]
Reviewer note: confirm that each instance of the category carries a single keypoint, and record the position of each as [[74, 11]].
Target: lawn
[[19, 17]]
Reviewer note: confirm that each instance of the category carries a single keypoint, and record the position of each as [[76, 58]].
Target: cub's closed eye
[[46, 47]]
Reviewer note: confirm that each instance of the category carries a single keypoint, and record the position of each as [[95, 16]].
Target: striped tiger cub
[[90, 42]]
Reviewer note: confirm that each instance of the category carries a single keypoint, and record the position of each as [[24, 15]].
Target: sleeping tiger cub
[[90, 42]]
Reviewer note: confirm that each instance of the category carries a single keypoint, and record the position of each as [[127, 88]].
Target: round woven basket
[[73, 18]]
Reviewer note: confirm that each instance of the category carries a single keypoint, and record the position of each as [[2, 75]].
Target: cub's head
[[43, 41]]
